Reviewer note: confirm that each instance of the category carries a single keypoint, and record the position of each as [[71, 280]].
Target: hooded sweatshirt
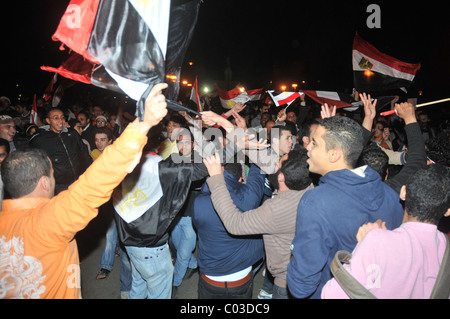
[[328, 219]]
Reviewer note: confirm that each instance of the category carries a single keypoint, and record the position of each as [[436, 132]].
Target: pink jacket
[[398, 264]]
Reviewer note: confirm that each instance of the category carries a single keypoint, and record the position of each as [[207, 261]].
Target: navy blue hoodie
[[220, 253], [328, 219]]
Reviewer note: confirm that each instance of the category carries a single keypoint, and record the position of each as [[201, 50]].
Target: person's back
[[43, 255], [220, 253], [375, 261]]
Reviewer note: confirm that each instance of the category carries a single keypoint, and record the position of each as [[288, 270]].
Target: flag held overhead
[[133, 44], [228, 99], [377, 71]]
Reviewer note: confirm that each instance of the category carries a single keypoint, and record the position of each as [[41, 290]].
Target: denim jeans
[[108, 255], [152, 272], [184, 239], [107, 259]]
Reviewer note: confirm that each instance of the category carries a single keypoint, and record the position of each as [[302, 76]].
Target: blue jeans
[[108, 255], [107, 259], [184, 239], [152, 272]]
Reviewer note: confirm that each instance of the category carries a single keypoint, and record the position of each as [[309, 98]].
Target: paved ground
[[90, 244]]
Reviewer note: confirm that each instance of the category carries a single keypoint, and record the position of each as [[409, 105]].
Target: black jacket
[[152, 228], [68, 156]]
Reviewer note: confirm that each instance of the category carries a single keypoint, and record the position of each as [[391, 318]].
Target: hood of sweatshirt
[[362, 184]]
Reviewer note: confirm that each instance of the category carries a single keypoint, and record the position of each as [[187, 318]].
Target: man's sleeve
[[256, 221], [71, 210]]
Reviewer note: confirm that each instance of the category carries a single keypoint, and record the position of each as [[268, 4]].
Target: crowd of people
[[257, 188]]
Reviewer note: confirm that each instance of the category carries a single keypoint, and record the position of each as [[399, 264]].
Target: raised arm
[[72, 210], [416, 157]]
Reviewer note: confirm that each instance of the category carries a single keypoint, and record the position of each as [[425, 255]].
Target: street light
[[283, 88]]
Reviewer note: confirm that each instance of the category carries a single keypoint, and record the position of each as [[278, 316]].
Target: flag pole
[[419, 105]]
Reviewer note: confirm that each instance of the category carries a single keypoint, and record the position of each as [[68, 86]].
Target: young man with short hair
[[64, 148], [329, 216]]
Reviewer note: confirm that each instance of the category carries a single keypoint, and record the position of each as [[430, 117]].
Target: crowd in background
[[85, 130]]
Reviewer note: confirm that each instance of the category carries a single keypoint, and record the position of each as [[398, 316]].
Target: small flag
[[33, 115], [49, 90], [284, 97], [194, 96], [331, 98], [376, 71], [229, 99]]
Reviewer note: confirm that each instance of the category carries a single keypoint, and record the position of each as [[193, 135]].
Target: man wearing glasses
[[64, 148]]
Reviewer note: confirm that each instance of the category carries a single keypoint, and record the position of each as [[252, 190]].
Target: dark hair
[[104, 130], [384, 124], [295, 170], [428, 193], [373, 156], [234, 169], [47, 115], [73, 122], [86, 113], [278, 129], [5, 143], [154, 138], [21, 171], [176, 118], [345, 134], [305, 128], [438, 150]]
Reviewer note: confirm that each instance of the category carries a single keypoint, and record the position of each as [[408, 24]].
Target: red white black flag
[[376, 71], [194, 96], [331, 98], [130, 44], [284, 98], [229, 99], [345, 101]]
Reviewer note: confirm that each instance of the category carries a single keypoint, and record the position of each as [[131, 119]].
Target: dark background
[[266, 44]]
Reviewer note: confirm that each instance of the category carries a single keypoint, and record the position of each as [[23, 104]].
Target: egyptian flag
[[48, 93], [194, 96], [130, 45], [375, 71], [150, 199], [228, 99], [34, 114], [284, 98], [339, 100], [345, 101]]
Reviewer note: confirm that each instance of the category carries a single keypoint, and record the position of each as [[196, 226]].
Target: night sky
[[266, 43]]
